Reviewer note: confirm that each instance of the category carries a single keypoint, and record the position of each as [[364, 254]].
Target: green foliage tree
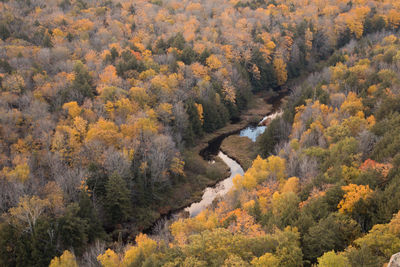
[[88, 213], [73, 229], [267, 79], [334, 232], [331, 259], [275, 133], [117, 201]]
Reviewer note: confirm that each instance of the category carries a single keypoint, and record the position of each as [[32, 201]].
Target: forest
[[103, 103]]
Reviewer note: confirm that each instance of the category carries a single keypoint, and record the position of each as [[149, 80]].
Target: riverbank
[[260, 106]]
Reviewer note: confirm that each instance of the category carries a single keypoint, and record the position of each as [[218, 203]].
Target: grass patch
[[241, 149]]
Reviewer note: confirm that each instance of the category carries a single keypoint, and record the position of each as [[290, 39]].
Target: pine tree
[[117, 201]]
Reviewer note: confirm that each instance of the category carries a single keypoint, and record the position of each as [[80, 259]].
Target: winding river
[[222, 187]]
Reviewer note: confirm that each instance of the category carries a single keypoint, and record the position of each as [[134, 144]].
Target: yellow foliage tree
[[352, 104], [200, 112], [55, 196], [229, 92], [164, 112], [199, 70], [143, 249], [109, 259], [266, 260], [183, 228], [72, 108], [262, 169], [353, 194], [19, 173], [67, 259], [104, 131], [393, 17], [330, 259], [213, 62], [355, 20], [177, 166], [280, 70], [276, 167], [140, 96], [29, 210], [291, 185]]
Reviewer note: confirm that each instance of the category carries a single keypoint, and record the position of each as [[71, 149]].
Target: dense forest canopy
[[102, 101]]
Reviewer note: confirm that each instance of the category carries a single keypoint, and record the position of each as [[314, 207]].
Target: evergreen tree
[[88, 213], [117, 201], [72, 229], [47, 40], [83, 83]]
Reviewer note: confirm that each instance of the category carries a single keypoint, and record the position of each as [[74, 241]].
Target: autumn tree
[[67, 259], [332, 259], [29, 210], [353, 194], [280, 70]]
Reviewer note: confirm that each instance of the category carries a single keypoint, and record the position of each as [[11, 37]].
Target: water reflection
[[253, 132]]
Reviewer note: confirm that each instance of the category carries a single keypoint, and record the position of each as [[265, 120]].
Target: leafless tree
[[367, 141], [161, 152], [89, 257]]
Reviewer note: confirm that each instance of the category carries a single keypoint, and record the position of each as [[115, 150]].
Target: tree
[[47, 40], [213, 62], [73, 229], [276, 132], [352, 104], [109, 259], [266, 260], [376, 247], [88, 213], [353, 194], [117, 202], [265, 77], [280, 70], [29, 210], [73, 109], [135, 255], [104, 131], [355, 20], [284, 208], [82, 85], [9, 248], [288, 249], [334, 232], [14, 83], [67, 259], [4, 31], [331, 259]]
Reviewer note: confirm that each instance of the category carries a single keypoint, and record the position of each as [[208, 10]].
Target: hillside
[[330, 196], [104, 105]]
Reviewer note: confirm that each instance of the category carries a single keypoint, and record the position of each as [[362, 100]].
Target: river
[[210, 193], [222, 187]]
